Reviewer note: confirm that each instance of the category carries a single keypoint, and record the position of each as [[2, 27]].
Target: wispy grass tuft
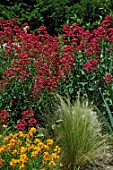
[[78, 133]]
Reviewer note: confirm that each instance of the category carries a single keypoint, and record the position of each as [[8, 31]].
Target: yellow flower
[[32, 131], [52, 164], [2, 162], [21, 134], [15, 152], [29, 146], [22, 166], [13, 162], [37, 140], [19, 142], [7, 138], [57, 149], [46, 147], [4, 126], [28, 140], [46, 156], [10, 146], [34, 154], [37, 148], [0, 135], [40, 144], [61, 165], [42, 169], [10, 135], [26, 136], [23, 149], [23, 158], [50, 142], [2, 149], [13, 141], [55, 155]]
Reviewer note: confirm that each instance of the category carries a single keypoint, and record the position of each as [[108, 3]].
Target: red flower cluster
[[108, 79], [21, 125], [107, 22], [91, 65], [27, 120], [32, 122], [4, 116], [27, 114], [35, 58], [93, 48], [89, 43]]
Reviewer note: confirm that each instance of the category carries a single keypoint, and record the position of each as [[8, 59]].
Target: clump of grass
[[78, 133]]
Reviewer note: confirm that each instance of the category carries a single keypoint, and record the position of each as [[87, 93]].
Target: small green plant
[[78, 133], [107, 118]]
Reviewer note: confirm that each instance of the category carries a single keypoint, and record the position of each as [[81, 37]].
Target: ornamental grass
[[78, 133]]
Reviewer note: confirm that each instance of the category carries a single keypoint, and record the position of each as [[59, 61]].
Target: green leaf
[[40, 134], [108, 110], [0, 104], [105, 121]]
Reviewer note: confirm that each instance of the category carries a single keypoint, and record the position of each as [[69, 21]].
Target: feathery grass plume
[[78, 133]]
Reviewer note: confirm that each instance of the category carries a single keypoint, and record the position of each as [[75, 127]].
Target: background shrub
[[55, 14]]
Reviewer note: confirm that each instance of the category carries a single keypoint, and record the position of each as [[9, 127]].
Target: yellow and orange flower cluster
[[25, 151]]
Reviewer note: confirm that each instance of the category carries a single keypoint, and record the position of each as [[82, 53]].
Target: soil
[[103, 163]]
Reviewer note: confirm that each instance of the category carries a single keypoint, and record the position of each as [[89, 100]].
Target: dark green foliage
[[54, 14]]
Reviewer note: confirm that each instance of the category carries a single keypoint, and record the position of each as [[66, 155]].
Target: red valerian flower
[[4, 116], [21, 125], [27, 113], [91, 65], [101, 82], [107, 21], [93, 48], [109, 78], [2, 84], [32, 122]]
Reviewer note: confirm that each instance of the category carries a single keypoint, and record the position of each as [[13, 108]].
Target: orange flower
[[15, 152], [32, 131], [61, 165], [55, 156], [34, 154], [22, 166], [50, 142], [2, 162], [41, 145], [57, 149], [46, 147], [2, 149], [37, 140], [23, 158], [23, 149], [13, 162], [52, 164], [46, 156]]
